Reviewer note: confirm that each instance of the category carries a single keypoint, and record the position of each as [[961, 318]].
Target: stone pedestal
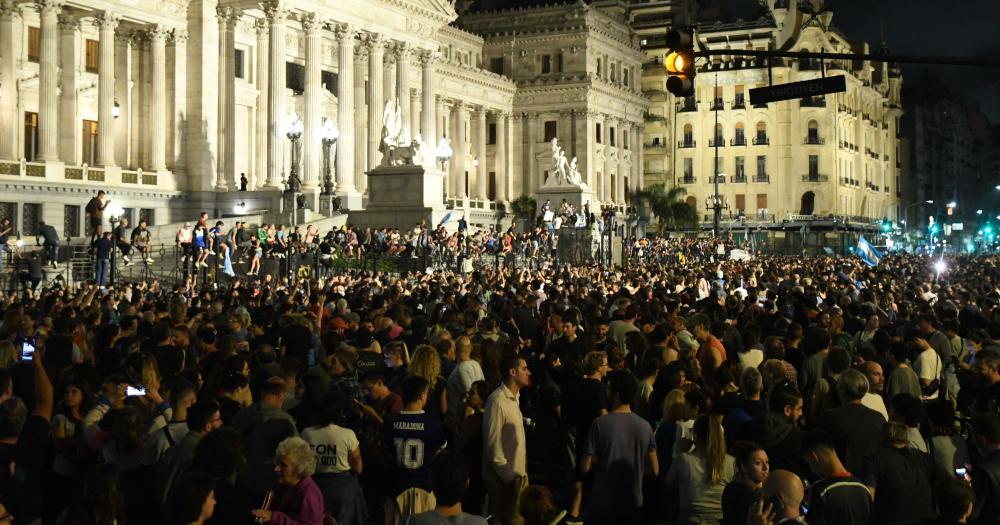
[[401, 196], [575, 194]]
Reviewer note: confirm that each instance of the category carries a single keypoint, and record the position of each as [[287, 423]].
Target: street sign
[[806, 88], [958, 226]]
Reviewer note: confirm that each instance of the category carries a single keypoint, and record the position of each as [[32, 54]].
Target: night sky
[[917, 27]]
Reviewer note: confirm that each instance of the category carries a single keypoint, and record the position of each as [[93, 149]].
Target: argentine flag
[[445, 220], [869, 255]]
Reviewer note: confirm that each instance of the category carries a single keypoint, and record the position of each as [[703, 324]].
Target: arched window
[[761, 133], [717, 139], [808, 203], [688, 135], [740, 138], [813, 132]]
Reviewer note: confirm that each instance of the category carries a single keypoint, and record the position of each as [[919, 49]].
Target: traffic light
[[680, 62]]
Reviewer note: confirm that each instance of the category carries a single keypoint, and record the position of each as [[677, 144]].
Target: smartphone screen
[[28, 349], [135, 391]]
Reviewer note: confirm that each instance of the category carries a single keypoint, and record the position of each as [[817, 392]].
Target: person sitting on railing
[[351, 242], [141, 240], [200, 244], [122, 241], [218, 240], [281, 247], [256, 253]]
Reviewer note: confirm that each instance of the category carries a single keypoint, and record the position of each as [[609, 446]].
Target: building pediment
[[442, 11]]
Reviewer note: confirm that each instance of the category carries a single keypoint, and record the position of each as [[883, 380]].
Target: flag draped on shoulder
[[869, 255]]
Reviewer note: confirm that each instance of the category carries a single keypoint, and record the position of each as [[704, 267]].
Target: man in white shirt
[[876, 382], [505, 472], [928, 367]]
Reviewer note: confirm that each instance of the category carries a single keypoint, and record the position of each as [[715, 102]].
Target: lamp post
[[443, 153], [294, 185], [115, 213], [328, 136]]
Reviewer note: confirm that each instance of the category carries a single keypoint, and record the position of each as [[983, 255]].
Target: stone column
[[376, 98], [226, 178], [345, 107], [158, 118], [106, 24], [458, 159], [389, 73], [502, 157], [69, 123], [178, 46], [259, 176], [402, 52], [360, 120], [533, 180], [414, 113], [603, 182], [9, 43], [428, 109], [312, 120], [276, 15], [440, 128], [638, 156], [48, 81], [481, 175], [620, 184], [516, 162]]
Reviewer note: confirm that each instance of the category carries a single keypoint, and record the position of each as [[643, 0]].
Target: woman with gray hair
[[297, 499]]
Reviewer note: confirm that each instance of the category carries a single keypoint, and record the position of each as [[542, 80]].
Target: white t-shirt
[[928, 366], [333, 446]]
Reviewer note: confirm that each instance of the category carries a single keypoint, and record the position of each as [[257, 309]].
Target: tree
[[668, 207], [524, 207]]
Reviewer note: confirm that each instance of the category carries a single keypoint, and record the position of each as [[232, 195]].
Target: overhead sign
[[957, 226], [792, 90]]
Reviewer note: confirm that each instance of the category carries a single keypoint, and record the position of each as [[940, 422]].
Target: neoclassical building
[[833, 155], [167, 104]]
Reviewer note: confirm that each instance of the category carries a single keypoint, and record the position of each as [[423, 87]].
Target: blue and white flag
[[445, 220], [869, 255]]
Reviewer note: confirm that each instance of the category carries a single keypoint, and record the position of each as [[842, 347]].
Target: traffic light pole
[[716, 202], [875, 57]]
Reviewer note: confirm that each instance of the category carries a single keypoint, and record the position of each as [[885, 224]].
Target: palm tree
[[668, 207]]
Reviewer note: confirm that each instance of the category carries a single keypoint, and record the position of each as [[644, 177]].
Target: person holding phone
[[780, 502]]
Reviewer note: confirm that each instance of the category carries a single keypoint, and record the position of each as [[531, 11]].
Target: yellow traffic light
[[679, 62]]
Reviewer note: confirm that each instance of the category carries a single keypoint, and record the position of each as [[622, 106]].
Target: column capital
[[67, 22], [8, 8], [458, 106], [228, 16], [501, 114], [401, 50], [427, 57], [480, 112], [360, 54], [372, 41], [344, 32], [106, 21], [310, 22], [157, 34], [49, 6], [261, 27], [178, 36], [516, 116], [531, 116], [275, 12]]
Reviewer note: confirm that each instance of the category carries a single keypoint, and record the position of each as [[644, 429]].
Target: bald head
[[787, 487], [464, 345], [873, 371]]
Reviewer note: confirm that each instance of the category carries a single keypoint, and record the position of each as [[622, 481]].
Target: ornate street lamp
[[294, 133], [115, 213], [328, 136], [443, 152]]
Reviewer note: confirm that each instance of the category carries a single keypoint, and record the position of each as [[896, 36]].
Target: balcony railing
[[718, 105], [686, 143], [815, 177], [762, 177], [816, 141], [740, 103], [721, 178], [687, 106], [813, 102], [740, 178], [687, 179], [717, 141], [761, 141], [654, 145]]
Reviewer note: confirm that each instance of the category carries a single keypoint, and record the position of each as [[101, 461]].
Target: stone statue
[[564, 171], [396, 147]]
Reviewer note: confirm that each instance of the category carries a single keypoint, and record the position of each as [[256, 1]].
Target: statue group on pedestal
[[564, 171], [396, 147]]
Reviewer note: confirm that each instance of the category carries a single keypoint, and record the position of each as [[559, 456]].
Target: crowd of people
[[692, 389]]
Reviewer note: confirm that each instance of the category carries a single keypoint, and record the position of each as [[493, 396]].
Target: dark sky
[[933, 27]]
